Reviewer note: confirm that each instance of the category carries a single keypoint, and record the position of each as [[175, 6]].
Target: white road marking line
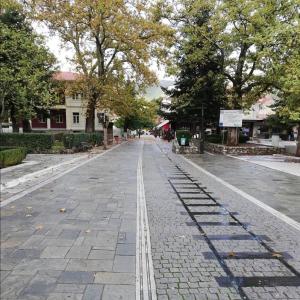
[[145, 282], [264, 164], [41, 184], [42, 172], [252, 199], [209, 153]]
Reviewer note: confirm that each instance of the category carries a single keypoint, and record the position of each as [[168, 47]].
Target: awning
[[162, 124]]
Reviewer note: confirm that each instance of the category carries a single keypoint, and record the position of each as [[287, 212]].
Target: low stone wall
[[191, 149], [240, 150]]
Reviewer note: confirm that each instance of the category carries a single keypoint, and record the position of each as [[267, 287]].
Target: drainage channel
[[186, 189]]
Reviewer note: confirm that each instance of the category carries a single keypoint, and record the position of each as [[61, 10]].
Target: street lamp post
[[201, 131]]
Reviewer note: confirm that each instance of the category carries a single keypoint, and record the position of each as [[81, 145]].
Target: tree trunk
[[15, 124], [26, 126], [298, 142], [232, 136], [90, 118], [14, 121], [104, 136]]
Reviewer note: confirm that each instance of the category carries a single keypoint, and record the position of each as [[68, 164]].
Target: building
[[68, 115], [254, 119]]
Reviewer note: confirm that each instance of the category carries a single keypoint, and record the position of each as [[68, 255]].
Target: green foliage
[[251, 41], [26, 68], [183, 134], [214, 138], [34, 142], [58, 146], [12, 156], [219, 139], [74, 140], [141, 115]]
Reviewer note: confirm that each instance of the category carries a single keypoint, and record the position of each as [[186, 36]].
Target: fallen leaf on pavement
[[231, 254], [276, 254]]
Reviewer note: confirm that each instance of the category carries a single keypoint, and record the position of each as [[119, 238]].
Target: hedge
[[183, 134], [10, 157], [34, 142], [218, 139], [74, 140]]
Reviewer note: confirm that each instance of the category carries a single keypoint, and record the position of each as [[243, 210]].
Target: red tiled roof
[[67, 76]]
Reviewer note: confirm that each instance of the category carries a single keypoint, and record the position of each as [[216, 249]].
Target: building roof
[[65, 76]]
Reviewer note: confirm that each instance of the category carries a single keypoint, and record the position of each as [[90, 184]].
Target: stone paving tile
[[39, 286], [124, 264], [55, 252], [126, 249], [89, 265], [101, 254], [115, 278], [13, 285], [93, 292], [78, 277], [117, 292], [70, 288], [83, 240], [32, 266], [64, 296], [78, 252]]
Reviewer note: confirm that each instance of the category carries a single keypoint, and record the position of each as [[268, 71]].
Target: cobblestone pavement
[[185, 265], [75, 238]]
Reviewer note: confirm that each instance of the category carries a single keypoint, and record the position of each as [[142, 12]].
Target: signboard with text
[[231, 118]]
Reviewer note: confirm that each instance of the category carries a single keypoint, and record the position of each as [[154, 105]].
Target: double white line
[[145, 283]]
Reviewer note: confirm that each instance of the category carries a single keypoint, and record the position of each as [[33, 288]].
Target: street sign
[[231, 118]]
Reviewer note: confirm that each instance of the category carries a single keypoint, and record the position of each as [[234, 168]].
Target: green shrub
[[183, 134], [10, 157], [58, 146], [214, 138], [34, 142], [74, 140], [218, 139], [243, 139], [58, 136]]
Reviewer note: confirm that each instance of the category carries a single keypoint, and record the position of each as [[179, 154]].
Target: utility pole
[[201, 131]]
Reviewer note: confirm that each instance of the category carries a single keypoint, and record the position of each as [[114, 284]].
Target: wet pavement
[[277, 189], [140, 222]]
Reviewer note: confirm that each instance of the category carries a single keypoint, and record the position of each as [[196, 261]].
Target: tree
[[142, 115], [26, 69], [288, 107], [199, 84], [113, 42], [253, 38]]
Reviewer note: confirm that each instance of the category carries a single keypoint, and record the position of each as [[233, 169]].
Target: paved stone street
[[86, 235]]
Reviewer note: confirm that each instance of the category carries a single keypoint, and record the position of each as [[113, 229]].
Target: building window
[[42, 118], [59, 118], [75, 118], [76, 96]]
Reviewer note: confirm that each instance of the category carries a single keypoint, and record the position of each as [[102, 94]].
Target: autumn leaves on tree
[[113, 43]]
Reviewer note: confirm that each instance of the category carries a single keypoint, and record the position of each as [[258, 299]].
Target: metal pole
[[201, 133]]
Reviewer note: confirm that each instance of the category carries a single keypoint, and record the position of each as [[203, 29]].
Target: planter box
[[178, 149]]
